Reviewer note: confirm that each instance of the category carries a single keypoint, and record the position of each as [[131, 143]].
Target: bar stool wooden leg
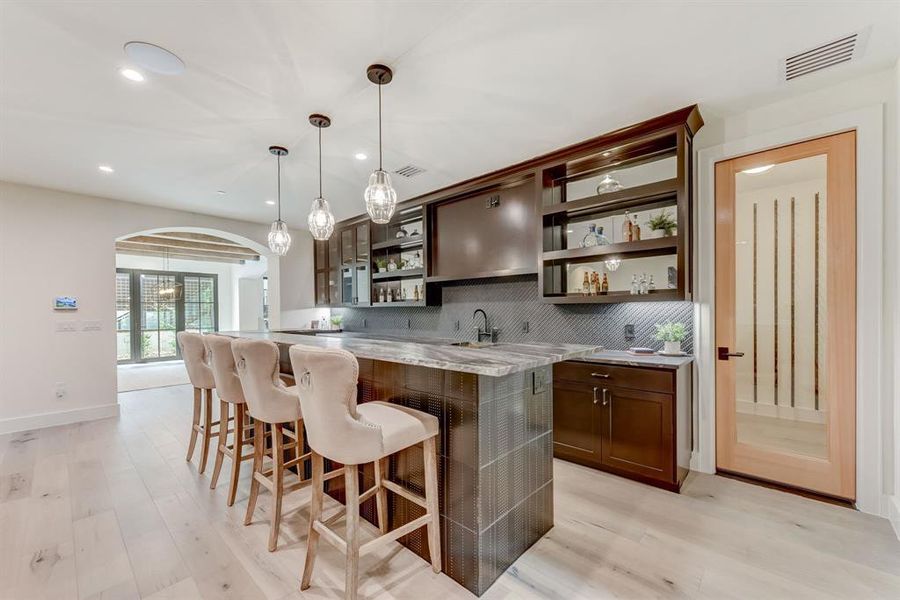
[[195, 425], [259, 449], [237, 454], [221, 444], [207, 428], [315, 514], [381, 467], [277, 483], [351, 485], [429, 448]]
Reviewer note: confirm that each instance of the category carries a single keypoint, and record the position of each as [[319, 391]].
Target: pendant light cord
[[279, 186], [320, 161], [380, 168]]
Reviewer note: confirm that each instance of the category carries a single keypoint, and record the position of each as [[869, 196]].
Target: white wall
[[878, 89], [55, 243]]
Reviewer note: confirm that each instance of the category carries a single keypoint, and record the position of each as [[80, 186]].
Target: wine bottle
[[586, 285], [604, 287], [635, 230], [626, 228]]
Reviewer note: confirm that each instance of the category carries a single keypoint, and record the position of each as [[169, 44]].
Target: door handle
[[600, 375], [724, 353]]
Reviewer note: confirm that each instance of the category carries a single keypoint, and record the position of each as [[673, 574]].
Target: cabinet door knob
[[596, 400], [605, 397], [600, 375]]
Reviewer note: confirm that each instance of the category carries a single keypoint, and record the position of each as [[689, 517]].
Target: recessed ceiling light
[[220, 192], [270, 202], [154, 58], [360, 156], [132, 75], [757, 170], [106, 168]]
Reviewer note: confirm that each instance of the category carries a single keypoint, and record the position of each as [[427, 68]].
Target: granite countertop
[[620, 357], [494, 360]]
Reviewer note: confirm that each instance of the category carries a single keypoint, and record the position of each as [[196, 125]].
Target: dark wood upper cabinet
[[488, 234], [533, 217]]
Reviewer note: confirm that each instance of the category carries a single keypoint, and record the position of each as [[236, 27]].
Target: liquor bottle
[[596, 283], [592, 238], [586, 285], [602, 240], [635, 230], [416, 293], [650, 285], [634, 285], [604, 287], [643, 284], [627, 232]]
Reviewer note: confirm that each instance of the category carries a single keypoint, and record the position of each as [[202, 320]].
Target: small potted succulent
[[380, 265], [336, 321], [671, 334], [662, 225]]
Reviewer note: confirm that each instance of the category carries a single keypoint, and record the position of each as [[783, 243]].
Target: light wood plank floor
[[110, 509]]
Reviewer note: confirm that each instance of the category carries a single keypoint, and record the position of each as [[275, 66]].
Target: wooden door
[[638, 433], [576, 422], [786, 315]]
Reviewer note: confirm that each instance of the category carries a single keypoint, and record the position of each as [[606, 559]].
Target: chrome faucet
[[485, 332]]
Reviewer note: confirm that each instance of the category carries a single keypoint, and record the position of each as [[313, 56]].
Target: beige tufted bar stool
[[341, 431], [230, 392], [196, 361], [269, 401]]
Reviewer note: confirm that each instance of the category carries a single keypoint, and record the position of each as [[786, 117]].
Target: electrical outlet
[[365, 323], [60, 390], [456, 325], [525, 326], [407, 324], [629, 331]]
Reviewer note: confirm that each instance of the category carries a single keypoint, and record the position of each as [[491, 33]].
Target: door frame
[[868, 124]]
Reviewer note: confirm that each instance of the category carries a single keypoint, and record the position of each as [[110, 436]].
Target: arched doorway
[[183, 279]]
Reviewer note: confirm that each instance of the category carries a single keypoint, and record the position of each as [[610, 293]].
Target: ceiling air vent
[[822, 57], [409, 171]]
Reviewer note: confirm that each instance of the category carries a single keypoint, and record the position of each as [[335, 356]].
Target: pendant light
[[380, 196], [279, 238], [169, 291], [320, 220]]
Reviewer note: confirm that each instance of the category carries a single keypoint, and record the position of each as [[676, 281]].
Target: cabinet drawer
[[637, 378]]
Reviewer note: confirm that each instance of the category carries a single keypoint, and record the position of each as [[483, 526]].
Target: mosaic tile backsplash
[[512, 302]]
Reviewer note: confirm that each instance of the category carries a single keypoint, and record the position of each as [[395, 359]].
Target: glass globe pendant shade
[[608, 184], [279, 238], [612, 264], [381, 198], [320, 220]]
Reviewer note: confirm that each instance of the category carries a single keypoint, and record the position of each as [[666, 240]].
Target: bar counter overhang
[[495, 464]]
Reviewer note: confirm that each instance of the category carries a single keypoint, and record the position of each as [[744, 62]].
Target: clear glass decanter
[[594, 237]]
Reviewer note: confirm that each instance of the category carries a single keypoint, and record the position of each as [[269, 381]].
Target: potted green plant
[[380, 265], [671, 334], [336, 321], [662, 224]]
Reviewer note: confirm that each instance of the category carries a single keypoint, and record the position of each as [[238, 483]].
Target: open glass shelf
[[581, 280]]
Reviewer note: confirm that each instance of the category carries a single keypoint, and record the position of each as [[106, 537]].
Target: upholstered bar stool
[[196, 361], [231, 394], [269, 401], [341, 431]]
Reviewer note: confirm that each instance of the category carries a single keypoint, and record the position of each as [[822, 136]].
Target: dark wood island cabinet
[[634, 421]]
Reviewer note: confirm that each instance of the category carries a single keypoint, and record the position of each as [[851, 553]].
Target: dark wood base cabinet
[[631, 421]]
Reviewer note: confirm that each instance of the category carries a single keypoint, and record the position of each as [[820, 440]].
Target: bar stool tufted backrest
[[196, 360], [326, 381], [221, 359], [268, 399]]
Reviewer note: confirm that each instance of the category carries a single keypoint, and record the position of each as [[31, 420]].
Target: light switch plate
[[629, 331], [91, 325], [538, 381], [67, 326]]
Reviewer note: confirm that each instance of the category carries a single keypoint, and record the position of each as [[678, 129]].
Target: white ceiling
[[478, 85]]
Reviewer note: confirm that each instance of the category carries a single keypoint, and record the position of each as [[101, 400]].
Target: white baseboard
[[894, 513], [65, 417]]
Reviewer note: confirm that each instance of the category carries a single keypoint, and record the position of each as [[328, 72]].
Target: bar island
[[494, 403]]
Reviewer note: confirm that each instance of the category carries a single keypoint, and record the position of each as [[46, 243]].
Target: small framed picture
[[65, 303]]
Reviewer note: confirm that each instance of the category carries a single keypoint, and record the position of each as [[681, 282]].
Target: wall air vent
[[409, 171], [827, 55]]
